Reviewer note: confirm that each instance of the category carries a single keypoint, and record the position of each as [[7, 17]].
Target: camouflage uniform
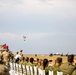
[[10, 57], [54, 68], [46, 69], [23, 63], [4, 70], [74, 72], [67, 68], [6, 57], [31, 64]]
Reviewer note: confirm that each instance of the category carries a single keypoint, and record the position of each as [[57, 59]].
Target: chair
[[27, 70], [35, 70], [23, 70], [20, 69], [31, 70], [17, 68], [11, 65], [11, 68], [50, 72], [14, 67], [41, 72], [14, 70], [59, 73]]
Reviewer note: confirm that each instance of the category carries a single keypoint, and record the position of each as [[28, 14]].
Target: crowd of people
[[68, 68], [5, 56]]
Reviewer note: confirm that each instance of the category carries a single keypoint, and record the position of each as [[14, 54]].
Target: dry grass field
[[64, 58]]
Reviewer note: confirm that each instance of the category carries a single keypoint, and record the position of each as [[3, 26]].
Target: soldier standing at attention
[[68, 68]]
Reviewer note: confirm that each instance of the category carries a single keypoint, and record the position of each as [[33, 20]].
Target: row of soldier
[[68, 68]]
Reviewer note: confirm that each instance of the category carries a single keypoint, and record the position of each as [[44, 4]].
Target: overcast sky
[[49, 25]]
